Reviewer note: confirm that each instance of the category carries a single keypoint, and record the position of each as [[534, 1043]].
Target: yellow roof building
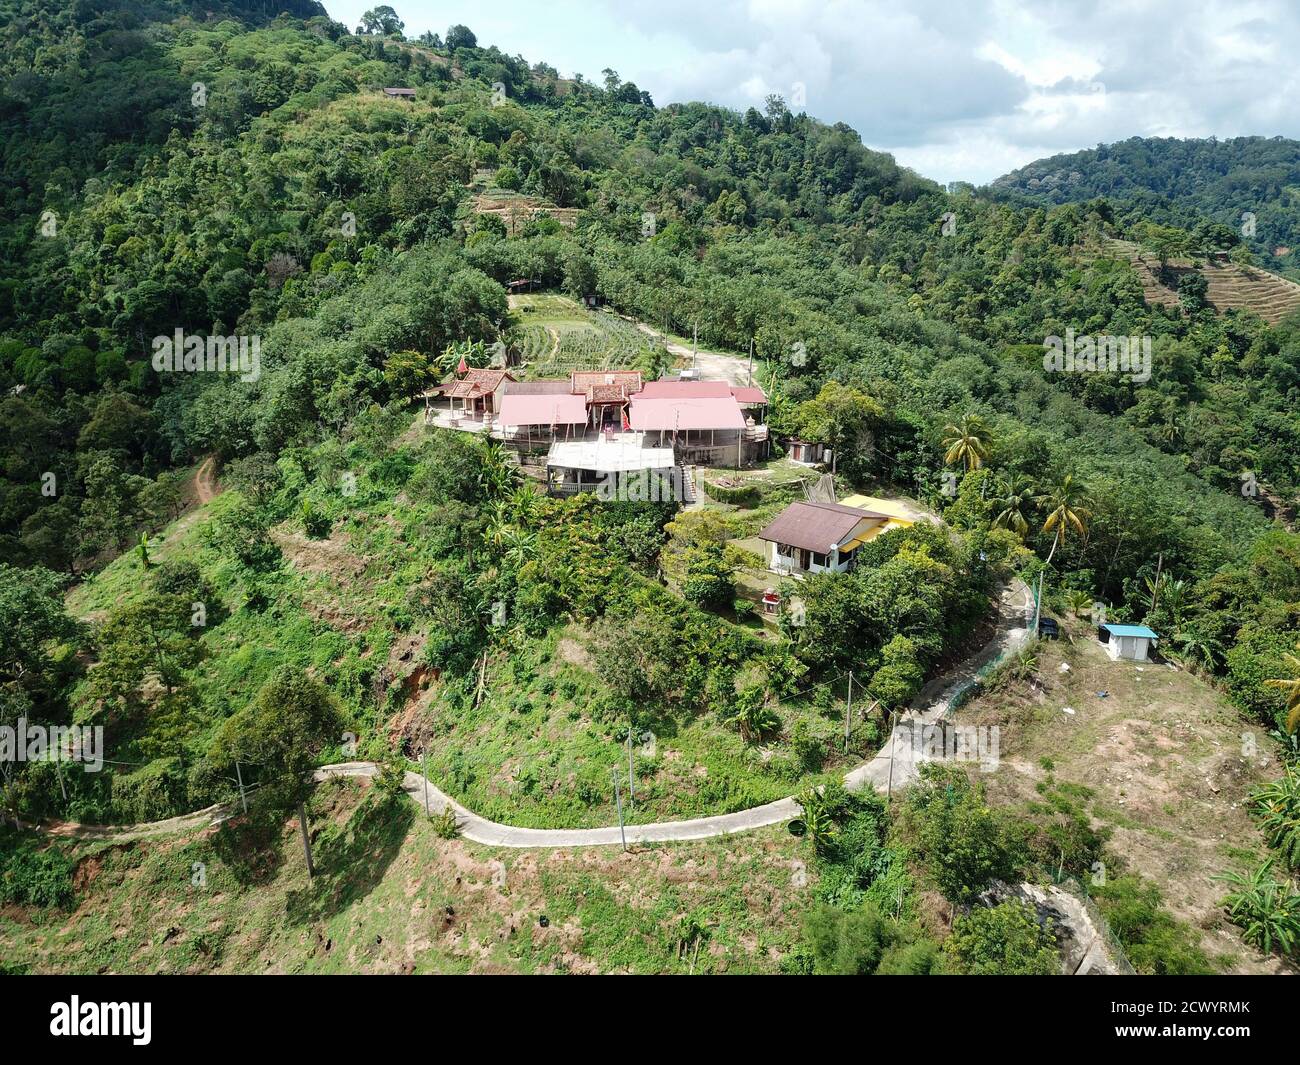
[[898, 516]]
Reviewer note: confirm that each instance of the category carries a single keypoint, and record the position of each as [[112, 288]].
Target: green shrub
[[708, 581], [740, 496], [34, 876], [151, 793], [314, 523], [922, 958], [845, 944], [808, 749], [964, 844], [444, 824], [1155, 942], [1003, 940], [742, 558]]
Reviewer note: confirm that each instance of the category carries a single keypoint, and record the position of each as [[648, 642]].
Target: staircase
[[689, 494]]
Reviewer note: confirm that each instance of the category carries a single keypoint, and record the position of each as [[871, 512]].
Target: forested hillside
[[226, 171], [1250, 182]]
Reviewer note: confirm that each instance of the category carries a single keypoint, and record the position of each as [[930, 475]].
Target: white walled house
[[810, 537], [1127, 641]]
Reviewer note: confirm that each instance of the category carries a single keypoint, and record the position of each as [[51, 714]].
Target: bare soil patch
[[1167, 760]]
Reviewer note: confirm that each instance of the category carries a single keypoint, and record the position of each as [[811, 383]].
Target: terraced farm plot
[[555, 336], [517, 210], [1250, 288], [1231, 286]]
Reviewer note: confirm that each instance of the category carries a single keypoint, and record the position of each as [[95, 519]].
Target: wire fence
[[968, 688], [1118, 956]]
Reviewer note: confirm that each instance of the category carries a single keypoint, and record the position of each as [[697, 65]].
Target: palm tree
[[1290, 685], [817, 817], [1014, 497], [1065, 511], [967, 442], [1199, 648], [1079, 601], [753, 716]]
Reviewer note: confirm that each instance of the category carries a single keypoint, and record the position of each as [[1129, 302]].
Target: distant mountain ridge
[[1236, 182]]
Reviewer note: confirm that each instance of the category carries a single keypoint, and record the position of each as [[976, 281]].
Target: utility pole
[[695, 346], [750, 375], [848, 713], [631, 776], [1155, 588], [239, 775], [306, 839], [618, 801], [1038, 605]]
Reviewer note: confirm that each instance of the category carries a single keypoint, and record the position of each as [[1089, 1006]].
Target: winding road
[[894, 766]]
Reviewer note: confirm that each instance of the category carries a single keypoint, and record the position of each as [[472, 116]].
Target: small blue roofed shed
[[1127, 641]]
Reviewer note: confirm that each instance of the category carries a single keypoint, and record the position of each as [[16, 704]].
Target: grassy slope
[[1164, 756], [530, 753], [391, 896]]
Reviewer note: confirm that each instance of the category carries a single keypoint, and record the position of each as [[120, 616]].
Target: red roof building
[[477, 389]]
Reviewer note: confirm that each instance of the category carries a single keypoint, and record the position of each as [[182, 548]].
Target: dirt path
[[713, 365], [205, 481], [898, 762]]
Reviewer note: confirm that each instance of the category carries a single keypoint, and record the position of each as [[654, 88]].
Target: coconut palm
[[1065, 511], [1013, 499], [1290, 685], [1078, 601], [967, 442]]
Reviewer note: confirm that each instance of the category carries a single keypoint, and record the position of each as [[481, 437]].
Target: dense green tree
[[1003, 940], [279, 734]]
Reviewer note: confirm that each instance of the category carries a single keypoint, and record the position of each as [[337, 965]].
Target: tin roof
[[817, 526], [683, 414], [542, 410], [1131, 630]]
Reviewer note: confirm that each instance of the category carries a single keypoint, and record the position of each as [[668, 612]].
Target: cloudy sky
[[958, 89]]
